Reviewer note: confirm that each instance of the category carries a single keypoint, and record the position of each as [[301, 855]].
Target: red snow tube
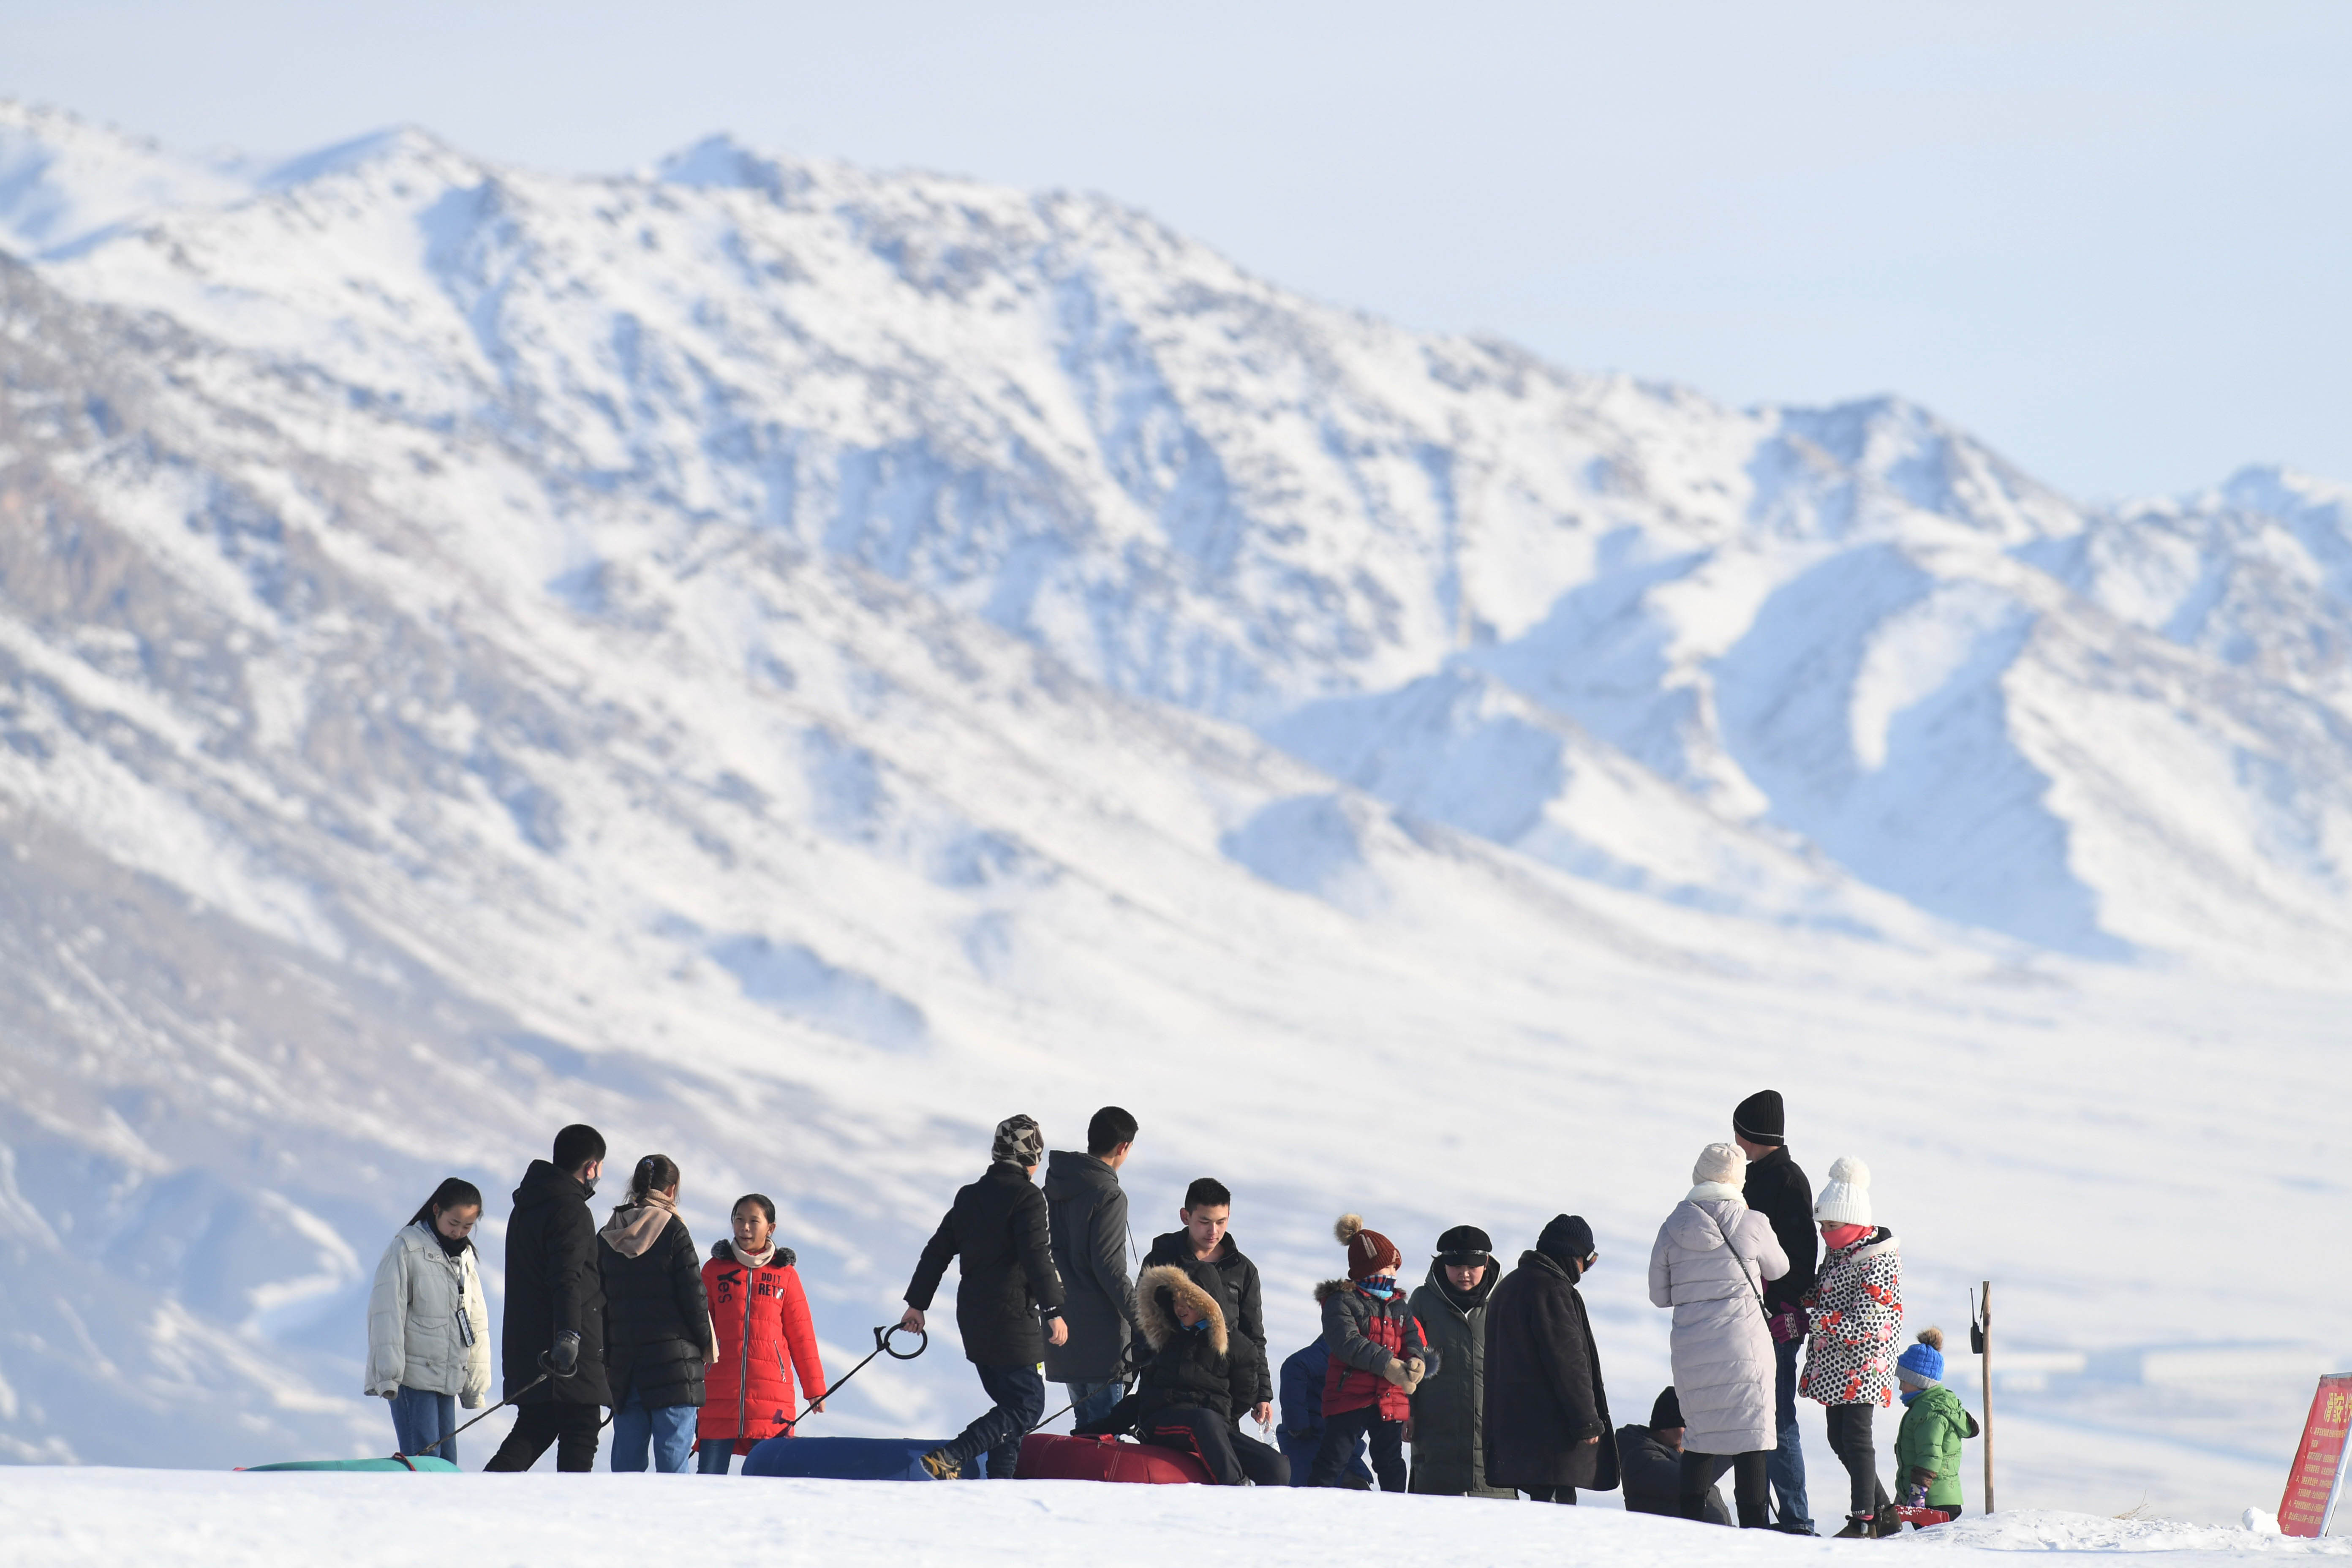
[[1047, 1457], [1921, 1518]]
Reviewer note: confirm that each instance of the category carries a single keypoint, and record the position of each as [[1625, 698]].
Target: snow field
[[72, 1518]]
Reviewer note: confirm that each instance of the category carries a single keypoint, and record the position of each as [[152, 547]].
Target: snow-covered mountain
[[791, 663]]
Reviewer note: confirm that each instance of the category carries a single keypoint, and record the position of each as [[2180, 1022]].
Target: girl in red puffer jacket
[[760, 1316]]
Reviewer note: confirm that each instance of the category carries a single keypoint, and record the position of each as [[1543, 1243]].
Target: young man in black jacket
[[1210, 1260], [1186, 1399], [1779, 1191], [999, 1228], [1090, 1242], [555, 1309]]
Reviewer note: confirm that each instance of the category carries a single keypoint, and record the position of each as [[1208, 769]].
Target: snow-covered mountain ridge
[[781, 661], [1851, 631]]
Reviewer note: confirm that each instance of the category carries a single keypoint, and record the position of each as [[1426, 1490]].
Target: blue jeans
[[1020, 1396], [1786, 1468], [1093, 1400], [712, 1455], [418, 1418], [669, 1429]]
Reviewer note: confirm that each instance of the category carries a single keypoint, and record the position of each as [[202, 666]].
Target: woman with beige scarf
[[657, 1334]]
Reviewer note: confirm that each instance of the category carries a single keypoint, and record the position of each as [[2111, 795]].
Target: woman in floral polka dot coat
[[1854, 1318]]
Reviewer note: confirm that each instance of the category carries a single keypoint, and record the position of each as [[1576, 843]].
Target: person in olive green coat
[[1927, 1447], [1449, 1412]]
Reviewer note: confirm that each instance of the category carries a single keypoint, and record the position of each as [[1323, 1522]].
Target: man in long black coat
[[1089, 1216], [999, 1227], [1547, 1427], [555, 1309], [1779, 1191]]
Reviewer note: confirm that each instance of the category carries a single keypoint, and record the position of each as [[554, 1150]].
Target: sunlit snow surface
[[791, 664], [71, 1520]]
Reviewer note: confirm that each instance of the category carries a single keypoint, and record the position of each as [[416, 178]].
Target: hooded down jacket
[[1365, 1334], [554, 1286], [761, 1317], [428, 1325], [1854, 1311], [1449, 1413], [1188, 1367], [1928, 1443], [1709, 1264]]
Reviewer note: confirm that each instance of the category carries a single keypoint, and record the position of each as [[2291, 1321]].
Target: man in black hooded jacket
[[999, 1228], [555, 1309], [1091, 1243]]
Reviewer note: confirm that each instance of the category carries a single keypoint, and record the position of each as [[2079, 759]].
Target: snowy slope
[[793, 664], [71, 1518]]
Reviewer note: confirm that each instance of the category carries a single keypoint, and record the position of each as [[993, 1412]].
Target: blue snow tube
[[423, 1464], [848, 1459]]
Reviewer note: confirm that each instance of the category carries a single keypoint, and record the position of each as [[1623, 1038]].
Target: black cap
[[1667, 1411], [1760, 1117], [1568, 1238], [1464, 1244]]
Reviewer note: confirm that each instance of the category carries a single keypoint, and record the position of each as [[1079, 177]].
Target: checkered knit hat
[[1018, 1142]]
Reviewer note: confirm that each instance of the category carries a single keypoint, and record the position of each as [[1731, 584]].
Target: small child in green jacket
[[1927, 1447]]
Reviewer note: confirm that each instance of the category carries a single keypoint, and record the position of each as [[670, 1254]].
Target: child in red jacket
[[760, 1317], [1379, 1356]]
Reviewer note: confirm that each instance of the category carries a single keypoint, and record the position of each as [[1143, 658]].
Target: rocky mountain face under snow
[[786, 661]]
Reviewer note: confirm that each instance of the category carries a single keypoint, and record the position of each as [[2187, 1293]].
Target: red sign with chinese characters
[[2311, 1485]]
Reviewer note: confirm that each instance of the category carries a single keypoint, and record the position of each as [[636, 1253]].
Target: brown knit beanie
[[1370, 1254]]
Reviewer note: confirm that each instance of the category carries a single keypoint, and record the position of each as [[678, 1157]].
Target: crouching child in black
[[1192, 1384]]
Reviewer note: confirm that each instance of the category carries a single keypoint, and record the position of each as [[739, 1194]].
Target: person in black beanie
[[1652, 1460], [1547, 1417], [1777, 1190]]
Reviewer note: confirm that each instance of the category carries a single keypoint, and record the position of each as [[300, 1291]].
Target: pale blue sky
[[2113, 239]]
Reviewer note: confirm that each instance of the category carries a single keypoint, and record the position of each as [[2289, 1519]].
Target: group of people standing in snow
[[694, 1357], [1492, 1377]]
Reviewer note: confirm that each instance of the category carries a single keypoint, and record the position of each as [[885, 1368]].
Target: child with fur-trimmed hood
[[1187, 1394], [1379, 1356]]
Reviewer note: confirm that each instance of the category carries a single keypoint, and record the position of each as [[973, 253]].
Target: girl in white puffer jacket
[[429, 1326]]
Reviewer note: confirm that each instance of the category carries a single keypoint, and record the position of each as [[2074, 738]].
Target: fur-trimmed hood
[[1330, 1288], [1159, 1322], [724, 1251]]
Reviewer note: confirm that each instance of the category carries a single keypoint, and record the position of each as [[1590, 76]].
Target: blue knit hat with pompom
[[1925, 1360]]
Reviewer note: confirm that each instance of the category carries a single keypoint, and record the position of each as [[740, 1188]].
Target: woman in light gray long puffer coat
[[1712, 1257]]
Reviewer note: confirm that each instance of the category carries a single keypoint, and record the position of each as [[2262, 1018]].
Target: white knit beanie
[[1722, 1162], [1845, 1198]]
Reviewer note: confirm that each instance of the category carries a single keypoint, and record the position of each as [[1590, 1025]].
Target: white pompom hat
[[1846, 1197]]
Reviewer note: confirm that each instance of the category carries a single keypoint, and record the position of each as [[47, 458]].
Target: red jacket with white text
[[761, 1318]]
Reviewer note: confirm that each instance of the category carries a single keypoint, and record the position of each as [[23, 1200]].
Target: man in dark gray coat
[[1089, 1215], [1449, 1413]]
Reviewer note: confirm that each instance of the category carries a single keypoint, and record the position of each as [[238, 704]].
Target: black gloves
[[564, 1359]]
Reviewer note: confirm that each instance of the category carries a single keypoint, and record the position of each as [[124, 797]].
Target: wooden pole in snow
[[1987, 1339]]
